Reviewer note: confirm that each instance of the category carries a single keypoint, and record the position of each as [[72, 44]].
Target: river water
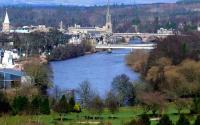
[[98, 68]]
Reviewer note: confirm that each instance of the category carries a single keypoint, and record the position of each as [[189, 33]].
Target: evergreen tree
[[62, 107], [20, 104], [71, 104], [165, 121], [183, 121], [4, 104], [197, 121], [35, 105], [45, 108]]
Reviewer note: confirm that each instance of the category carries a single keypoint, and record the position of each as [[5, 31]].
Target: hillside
[[148, 17], [188, 1]]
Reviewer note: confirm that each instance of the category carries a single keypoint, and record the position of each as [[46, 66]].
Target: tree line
[[124, 20]]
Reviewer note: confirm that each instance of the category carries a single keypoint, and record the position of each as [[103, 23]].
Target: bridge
[[146, 37], [126, 46]]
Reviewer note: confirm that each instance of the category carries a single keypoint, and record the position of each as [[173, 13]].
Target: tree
[[20, 104], [112, 102], [96, 105], [165, 121], [85, 93], [40, 74], [197, 121], [123, 88], [71, 104], [152, 101], [138, 60], [35, 105], [181, 104], [45, 108], [195, 108], [183, 121], [62, 107]]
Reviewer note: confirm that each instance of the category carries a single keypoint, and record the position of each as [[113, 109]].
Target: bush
[[144, 120], [183, 121], [77, 108], [165, 121]]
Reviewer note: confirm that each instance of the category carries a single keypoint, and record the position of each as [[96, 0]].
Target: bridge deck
[[126, 46]]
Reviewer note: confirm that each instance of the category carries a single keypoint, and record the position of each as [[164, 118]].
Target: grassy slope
[[125, 114]]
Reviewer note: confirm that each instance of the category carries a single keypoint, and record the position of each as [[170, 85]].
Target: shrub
[[144, 120], [77, 108]]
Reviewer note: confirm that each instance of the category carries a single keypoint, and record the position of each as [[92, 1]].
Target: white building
[[165, 31], [75, 40], [7, 59]]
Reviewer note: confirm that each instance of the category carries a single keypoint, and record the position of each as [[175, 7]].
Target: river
[[98, 68]]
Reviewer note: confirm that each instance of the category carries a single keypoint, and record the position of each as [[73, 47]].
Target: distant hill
[[188, 1]]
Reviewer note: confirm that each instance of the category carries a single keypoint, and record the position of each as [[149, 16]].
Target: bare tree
[[85, 93]]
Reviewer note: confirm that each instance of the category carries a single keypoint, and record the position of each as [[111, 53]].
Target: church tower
[[108, 19], [6, 24]]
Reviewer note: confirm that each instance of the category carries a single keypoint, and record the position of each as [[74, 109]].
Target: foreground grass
[[124, 115]]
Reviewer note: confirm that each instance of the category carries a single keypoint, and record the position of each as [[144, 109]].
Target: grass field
[[125, 114]]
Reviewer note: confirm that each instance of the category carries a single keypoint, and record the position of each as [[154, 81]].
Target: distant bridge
[[146, 37], [126, 46]]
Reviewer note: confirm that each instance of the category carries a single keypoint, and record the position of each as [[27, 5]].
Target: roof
[[6, 20], [12, 72]]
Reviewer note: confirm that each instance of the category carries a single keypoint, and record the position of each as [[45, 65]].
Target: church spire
[[6, 23], [108, 16], [6, 19], [108, 19]]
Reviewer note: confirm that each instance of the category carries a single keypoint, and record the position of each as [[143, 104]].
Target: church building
[[6, 24]]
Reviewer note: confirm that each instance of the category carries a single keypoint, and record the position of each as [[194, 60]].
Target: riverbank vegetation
[[68, 51], [170, 74]]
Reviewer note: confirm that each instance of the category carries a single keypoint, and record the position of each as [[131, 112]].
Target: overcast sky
[[81, 2]]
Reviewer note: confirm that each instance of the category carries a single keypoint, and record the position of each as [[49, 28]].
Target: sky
[[81, 2]]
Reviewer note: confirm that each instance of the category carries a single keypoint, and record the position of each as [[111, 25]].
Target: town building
[[164, 31], [107, 29]]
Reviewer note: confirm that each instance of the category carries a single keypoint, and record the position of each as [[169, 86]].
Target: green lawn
[[125, 114]]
